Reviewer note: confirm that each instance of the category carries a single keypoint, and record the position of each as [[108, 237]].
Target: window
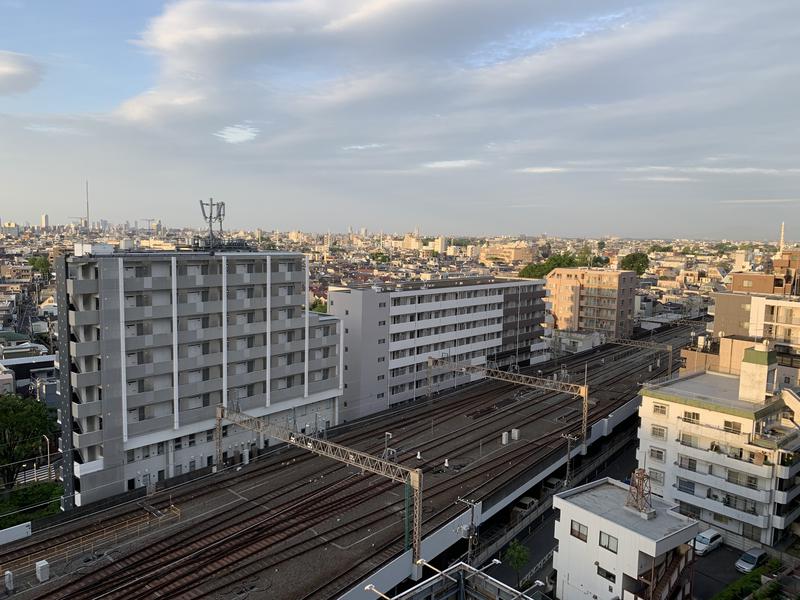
[[720, 518], [191, 440], [130, 456], [346, 330], [658, 432], [657, 454], [382, 341], [606, 574], [381, 358], [381, 323], [660, 409], [178, 443], [160, 448], [346, 312], [381, 395], [579, 531], [691, 417], [381, 304], [686, 486], [609, 542], [748, 283], [381, 377], [688, 463], [656, 476], [690, 510], [733, 426]]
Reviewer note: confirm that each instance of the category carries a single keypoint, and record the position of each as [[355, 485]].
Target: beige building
[[510, 253], [583, 299]]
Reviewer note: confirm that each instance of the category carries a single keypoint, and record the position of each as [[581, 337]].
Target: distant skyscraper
[[45, 221]]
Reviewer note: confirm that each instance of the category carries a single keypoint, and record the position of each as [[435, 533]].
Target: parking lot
[[715, 571]]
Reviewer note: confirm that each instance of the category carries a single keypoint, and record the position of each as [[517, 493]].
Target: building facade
[[608, 548], [391, 330], [151, 343], [584, 299], [725, 448]]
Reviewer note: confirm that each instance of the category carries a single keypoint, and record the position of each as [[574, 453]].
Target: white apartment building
[[390, 330], [608, 548], [726, 448], [151, 342]]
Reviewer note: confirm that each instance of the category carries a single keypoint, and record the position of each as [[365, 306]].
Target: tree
[[40, 264], [379, 257], [600, 261], [660, 248], [537, 271], [601, 245], [319, 305], [23, 422], [637, 261], [584, 256], [516, 557]]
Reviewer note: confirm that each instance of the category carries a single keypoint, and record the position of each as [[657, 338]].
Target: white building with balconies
[[726, 449]]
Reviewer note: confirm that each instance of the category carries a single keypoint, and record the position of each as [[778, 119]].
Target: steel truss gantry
[[668, 348], [540, 383], [412, 478]]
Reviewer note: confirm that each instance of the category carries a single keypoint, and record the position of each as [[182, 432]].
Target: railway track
[[259, 542]]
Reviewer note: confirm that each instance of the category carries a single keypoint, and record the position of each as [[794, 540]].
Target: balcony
[[785, 497], [89, 467], [79, 380], [78, 349], [81, 286], [720, 483], [717, 434], [719, 507], [786, 520], [84, 440], [78, 318], [719, 458], [86, 409]]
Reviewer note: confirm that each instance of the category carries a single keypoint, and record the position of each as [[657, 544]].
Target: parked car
[[707, 541], [755, 557]]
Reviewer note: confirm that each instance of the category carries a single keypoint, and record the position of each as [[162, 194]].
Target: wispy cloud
[[543, 170], [18, 72], [758, 201], [453, 164], [364, 147], [533, 205], [54, 129], [660, 179], [715, 170], [236, 134]]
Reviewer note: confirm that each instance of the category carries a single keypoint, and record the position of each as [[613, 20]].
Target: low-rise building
[[617, 541]]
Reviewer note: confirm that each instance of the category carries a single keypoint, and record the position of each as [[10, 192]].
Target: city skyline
[[301, 115]]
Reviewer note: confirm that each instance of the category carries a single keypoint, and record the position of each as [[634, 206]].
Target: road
[[714, 571]]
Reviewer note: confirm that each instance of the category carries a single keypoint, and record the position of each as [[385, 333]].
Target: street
[[714, 571]]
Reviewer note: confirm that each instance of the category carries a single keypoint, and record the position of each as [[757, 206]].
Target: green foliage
[[583, 256], [724, 248], [516, 556], [539, 270], [637, 261], [600, 261], [37, 499], [319, 306], [771, 591], [659, 248], [690, 249], [601, 245], [379, 257], [460, 242], [747, 584], [23, 422], [41, 265]]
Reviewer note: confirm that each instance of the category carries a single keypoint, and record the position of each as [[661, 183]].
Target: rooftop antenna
[[780, 245], [215, 213], [87, 204], [639, 497]]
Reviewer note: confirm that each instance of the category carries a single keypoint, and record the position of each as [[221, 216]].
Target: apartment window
[[751, 532], [660, 409], [686, 486], [658, 432], [382, 341], [733, 426], [606, 574], [691, 417], [347, 330], [656, 476], [690, 510], [381, 395], [178, 443], [579, 530], [609, 542], [657, 454], [720, 518], [160, 448], [346, 312], [381, 358], [381, 377], [748, 283], [381, 304], [210, 435], [381, 323], [130, 456], [191, 440], [690, 440], [688, 463]]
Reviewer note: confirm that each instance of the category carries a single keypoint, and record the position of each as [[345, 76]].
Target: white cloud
[[453, 164], [236, 134], [364, 147], [660, 179], [18, 73], [54, 129], [543, 170]]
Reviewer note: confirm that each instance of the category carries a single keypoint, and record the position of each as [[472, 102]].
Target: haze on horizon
[[639, 119]]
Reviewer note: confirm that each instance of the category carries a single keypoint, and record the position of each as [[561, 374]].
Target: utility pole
[[570, 437], [472, 539]]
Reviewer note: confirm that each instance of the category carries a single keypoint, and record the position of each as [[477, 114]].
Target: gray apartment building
[[391, 329], [152, 342]]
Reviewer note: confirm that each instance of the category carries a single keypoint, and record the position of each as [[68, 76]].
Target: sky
[[575, 118]]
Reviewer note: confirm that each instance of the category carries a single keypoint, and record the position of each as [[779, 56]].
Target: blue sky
[[460, 116]]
